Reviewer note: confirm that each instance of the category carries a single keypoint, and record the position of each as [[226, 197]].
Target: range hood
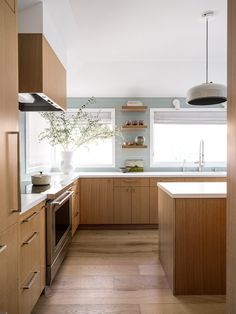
[[42, 77], [36, 102]]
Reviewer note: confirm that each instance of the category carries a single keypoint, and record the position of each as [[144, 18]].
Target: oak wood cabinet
[[9, 270], [40, 70], [131, 201], [75, 207], [96, 201], [9, 136], [32, 257]]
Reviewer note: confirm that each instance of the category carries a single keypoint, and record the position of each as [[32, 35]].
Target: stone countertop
[[30, 200], [194, 189], [151, 174]]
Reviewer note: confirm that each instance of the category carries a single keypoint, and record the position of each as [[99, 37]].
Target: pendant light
[[207, 93]]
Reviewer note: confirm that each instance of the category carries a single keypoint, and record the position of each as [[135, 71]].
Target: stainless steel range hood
[[37, 102]]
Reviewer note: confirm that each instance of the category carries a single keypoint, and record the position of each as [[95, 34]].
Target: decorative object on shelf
[[207, 93], [70, 131], [134, 122], [134, 103], [141, 122], [140, 140]]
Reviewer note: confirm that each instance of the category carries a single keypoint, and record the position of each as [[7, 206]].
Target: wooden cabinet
[[12, 4], [131, 201], [75, 207], [9, 270], [122, 205], [9, 137], [40, 71], [96, 201], [32, 257]]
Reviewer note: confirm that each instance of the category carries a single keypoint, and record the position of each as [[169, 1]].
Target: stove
[[26, 187]]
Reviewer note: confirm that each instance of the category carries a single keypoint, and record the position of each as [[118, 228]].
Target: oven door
[[58, 225]]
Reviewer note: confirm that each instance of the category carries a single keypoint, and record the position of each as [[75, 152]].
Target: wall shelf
[[134, 108], [134, 146], [133, 127]]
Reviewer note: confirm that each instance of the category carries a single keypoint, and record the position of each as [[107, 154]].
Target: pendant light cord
[[207, 50]]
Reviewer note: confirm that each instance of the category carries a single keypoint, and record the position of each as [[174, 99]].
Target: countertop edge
[[28, 201]]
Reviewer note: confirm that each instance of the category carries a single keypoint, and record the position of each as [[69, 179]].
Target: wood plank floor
[[118, 272]]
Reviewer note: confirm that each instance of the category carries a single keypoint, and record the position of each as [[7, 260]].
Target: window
[[38, 154], [176, 136], [94, 155]]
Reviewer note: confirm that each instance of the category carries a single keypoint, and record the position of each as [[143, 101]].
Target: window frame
[[113, 122], [178, 164]]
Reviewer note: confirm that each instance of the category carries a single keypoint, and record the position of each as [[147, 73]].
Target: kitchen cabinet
[[9, 270], [40, 70], [75, 207], [9, 136], [32, 257], [11, 4], [131, 201], [96, 201]]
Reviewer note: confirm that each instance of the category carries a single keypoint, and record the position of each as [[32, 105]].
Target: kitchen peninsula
[[192, 222]]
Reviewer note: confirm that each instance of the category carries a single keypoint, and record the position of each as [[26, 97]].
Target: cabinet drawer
[[30, 256], [131, 182], [30, 292], [29, 224]]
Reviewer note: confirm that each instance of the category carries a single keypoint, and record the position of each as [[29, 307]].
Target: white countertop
[[151, 174], [194, 189], [30, 200]]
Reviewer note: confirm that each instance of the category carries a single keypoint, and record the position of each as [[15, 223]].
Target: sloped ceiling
[[146, 48]]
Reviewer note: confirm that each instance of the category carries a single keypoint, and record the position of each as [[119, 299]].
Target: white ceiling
[[146, 48]]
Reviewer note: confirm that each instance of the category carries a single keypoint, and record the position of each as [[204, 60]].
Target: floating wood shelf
[[134, 146], [133, 127], [134, 108]]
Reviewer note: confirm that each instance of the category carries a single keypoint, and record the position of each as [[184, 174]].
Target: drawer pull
[[27, 287], [30, 217], [3, 248], [31, 238]]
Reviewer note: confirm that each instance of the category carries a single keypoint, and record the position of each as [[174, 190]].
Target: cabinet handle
[[76, 214], [3, 248], [27, 287], [34, 235], [28, 219], [14, 171]]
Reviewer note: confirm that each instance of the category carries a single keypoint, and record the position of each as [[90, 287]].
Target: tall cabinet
[[9, 162]]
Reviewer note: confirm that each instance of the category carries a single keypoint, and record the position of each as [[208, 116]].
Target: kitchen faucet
[[201, 161]]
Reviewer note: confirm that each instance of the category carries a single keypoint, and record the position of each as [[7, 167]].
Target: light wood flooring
[[118, 272]]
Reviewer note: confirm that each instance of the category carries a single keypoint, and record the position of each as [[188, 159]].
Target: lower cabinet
[[96, 201], [32, 257], [75, 207], [9, 270]]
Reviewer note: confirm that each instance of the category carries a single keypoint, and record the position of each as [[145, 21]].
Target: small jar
[[140, 140]]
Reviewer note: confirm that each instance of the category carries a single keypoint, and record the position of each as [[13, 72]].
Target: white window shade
[[172, 116]]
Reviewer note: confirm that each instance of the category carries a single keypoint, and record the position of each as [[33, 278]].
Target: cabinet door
[[96, 201], [11, 4], [9, 168], [153, 205], [42, 237], [122, 205], [140, 205], [9, 271]]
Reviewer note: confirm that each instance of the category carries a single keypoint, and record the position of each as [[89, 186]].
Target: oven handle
[[59, 202]]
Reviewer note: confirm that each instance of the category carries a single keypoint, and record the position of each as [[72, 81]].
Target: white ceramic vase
[[67, 162]]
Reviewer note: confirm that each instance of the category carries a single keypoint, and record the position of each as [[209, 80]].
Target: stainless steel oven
[[58, 232]]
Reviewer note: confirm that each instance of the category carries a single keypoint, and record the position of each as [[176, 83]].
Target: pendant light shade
[[207, 93]]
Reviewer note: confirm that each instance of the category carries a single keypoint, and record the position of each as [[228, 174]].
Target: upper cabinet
[[40, 70], [11, 4]]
